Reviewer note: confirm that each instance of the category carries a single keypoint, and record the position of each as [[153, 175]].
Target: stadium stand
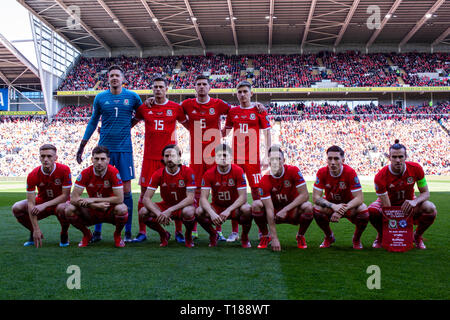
[[349, 69]]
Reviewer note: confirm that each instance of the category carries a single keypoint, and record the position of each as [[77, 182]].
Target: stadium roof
[[108, 25], [15, 69]]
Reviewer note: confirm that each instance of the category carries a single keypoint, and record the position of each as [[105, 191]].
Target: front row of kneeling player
[[283, 191]]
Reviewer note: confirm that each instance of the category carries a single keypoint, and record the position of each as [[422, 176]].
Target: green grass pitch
[[145, 271]]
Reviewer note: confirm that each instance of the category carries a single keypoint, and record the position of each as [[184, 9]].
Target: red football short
[[176, 215], [148, 169], [47, 212], [219, 210]]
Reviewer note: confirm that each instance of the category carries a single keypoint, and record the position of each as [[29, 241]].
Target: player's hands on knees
[[216, 219], [408, 206], [85, 202], [163, 219], [38, 209], [335, 217], [37, 238], [281, 215], [224, 215], [103, 206], [150, 101], [340, 208], [275, 244]]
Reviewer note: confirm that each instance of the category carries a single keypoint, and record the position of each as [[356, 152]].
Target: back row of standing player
[[284, 197]]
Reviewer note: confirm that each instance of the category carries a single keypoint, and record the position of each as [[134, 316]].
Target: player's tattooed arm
[[323, 203]]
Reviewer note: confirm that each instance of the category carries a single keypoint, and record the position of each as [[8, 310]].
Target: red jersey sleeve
[[31, 182], [240, 179], [355, 184], [320, 179], [67, 182], [189, 176], [380, 184], [155, 180], [297, 177], [181, 117], [229, 120], [264, 122], [116, 180], [139, 111], [419, 173], [82, 179], [223, 107], [206, 180], [264, 188]]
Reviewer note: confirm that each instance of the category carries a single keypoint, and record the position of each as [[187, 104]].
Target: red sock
[[120, 222], [234, 226], [189, 225], [207, 224], [425, 221], [246, 226], [142, 225], [305, 221], [178, 226], [219, 228], [152, 224], [78, 223], [323, 221], [261, 221], [361, 222], [376, 220], [65, 224]]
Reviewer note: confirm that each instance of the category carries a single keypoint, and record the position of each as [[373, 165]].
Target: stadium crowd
[[305, 140], [350, 69]]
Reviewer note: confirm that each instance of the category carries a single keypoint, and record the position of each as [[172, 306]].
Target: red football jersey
[[338, 189], [398, 187], [160, 125], [49, 185], [97, 186], [246, 123], [173, 186], [202, 117], [224, 186], [283, 189]]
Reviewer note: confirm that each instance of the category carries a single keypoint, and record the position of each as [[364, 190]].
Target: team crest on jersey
[[393, 224], [169, 113], [410, 180], [252, 116], [126, 102], [231, 182], [212, 111], [57, 182], [342, 185], [287, 183], [181, 183], [106, 183], [79, 177], [402, 223]]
